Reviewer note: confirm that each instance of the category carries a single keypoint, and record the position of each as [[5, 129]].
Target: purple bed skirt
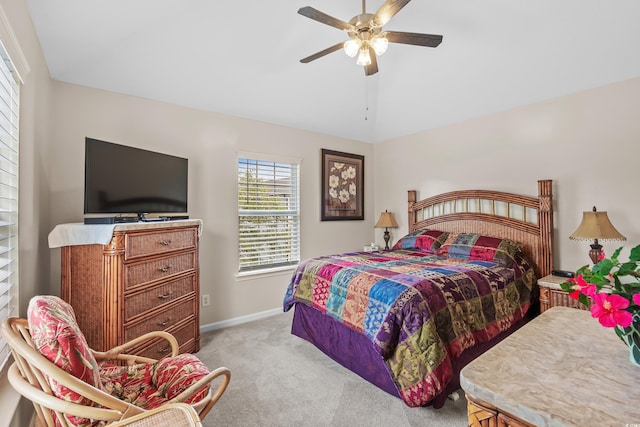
[[355, 352]]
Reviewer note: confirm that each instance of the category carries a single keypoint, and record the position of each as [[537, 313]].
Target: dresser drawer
[[162, 321], [146, 244], [150, 299], [144, 272], [185, 335]]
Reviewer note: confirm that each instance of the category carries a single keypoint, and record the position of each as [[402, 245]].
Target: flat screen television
[[119, 179]]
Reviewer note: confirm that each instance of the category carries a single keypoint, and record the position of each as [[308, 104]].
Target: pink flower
[[602, 256], [610, 310], [581, 286], [636, 299]]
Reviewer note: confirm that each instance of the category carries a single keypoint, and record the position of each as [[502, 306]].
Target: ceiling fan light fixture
[[367, 38], [364, 58], [351, 47], [379, 44]]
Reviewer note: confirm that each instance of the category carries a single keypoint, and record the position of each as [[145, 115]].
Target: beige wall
[[211, 142], [588, 143], [34, 173], [35, 168]]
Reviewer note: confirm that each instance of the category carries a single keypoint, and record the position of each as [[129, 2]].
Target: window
[[9, 106], [268, 213]]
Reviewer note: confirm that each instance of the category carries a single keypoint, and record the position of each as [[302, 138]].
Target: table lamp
[[386, 221], [596, 225]]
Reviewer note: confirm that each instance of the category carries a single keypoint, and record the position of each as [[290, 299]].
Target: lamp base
[[595, 253], [386, 240]]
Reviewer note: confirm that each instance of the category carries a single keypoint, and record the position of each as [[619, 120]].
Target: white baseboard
[[239, 320]]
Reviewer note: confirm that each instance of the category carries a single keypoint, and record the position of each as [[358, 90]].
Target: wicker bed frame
[[526, 219]]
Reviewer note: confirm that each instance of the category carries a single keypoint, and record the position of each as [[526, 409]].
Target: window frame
[[289, 217], [10, 83]]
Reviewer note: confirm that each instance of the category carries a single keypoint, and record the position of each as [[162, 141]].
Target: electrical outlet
[[206, 300]]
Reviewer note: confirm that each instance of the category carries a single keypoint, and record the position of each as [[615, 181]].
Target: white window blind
[[9, 107], [268, 214]]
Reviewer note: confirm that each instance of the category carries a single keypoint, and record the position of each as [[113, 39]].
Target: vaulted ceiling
[[242, 57]]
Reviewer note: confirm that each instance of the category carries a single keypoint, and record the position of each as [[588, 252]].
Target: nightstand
[[552, 295]]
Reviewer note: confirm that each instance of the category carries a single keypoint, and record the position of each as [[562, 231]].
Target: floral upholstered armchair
[[72, 385]]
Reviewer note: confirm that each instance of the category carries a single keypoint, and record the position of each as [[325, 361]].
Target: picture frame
[[342, 192]]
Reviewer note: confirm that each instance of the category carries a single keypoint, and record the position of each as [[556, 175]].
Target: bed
[[409, 319]]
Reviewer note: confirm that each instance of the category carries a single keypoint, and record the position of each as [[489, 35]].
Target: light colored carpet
[[278, 379]]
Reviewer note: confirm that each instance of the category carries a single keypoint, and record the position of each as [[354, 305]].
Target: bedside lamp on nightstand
[[386, 221], [596, 225]]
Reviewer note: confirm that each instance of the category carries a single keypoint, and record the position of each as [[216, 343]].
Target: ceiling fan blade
[[372, 68], [322, 53], [322, 17], [388, 10], [418, 39]]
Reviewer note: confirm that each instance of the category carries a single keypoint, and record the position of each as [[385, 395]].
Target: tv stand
[[146, 278]]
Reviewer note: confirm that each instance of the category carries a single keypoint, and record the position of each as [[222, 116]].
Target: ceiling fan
[[366, 38]]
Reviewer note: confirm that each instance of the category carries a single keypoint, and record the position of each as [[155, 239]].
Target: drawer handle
[[163, 350], [165, 296], [165, 268], [166, 322], [165, 242]]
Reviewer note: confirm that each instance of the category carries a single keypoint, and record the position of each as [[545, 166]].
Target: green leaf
[[598, 280], [616, 253], [583, 270], [635, 254], [567, 286], [627, 268], [582, 298], [603, 267]]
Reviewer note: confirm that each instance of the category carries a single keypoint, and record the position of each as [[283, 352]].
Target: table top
[[78, 233], [561, 369], [552, 282]]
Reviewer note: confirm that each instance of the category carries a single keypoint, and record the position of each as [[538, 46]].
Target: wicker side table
[[552, 295]]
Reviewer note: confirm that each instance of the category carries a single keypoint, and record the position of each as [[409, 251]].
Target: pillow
[[56, 335], [150, 385], [473, 246], [426, 239]]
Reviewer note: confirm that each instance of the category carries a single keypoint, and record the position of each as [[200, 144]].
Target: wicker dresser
[[144, 279]]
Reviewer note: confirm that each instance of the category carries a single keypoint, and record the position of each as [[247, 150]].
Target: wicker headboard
[[525, 219]]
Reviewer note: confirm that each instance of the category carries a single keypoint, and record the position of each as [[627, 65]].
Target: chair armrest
[[34, 366], [222, 371], [46, 400], [119, 352]]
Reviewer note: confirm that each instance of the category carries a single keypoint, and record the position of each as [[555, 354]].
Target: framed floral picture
[[342, 186]]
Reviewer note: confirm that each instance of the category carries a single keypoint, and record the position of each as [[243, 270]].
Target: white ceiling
[[242, 57]]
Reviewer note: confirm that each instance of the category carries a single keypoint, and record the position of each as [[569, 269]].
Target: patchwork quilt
[[420, 310]]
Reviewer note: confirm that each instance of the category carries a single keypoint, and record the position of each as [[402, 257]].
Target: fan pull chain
[[366, 100]]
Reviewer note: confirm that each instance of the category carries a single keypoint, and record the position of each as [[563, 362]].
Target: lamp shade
[[596, 225], [386, 221]]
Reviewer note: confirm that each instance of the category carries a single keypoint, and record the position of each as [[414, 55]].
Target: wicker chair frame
[[29, 372]]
